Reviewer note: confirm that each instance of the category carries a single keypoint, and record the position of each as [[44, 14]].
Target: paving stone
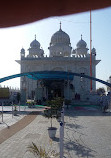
[[86, 134]]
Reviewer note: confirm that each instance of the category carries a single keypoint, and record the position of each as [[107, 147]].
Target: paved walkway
[[8, 117], [87, 134], [6, 133]]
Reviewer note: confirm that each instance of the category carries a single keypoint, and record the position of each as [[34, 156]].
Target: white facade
[[108, 88], [61, 58]]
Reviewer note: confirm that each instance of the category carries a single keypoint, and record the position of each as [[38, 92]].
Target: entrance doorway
[[57, 93], [55, 88]]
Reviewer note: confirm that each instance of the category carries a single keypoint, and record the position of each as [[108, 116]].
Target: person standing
[[109, 100], [104, 103]]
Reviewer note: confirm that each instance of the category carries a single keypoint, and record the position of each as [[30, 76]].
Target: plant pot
[[15, 113], [52, 132]]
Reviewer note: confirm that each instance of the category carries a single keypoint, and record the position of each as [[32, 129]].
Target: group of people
[[105, 102]]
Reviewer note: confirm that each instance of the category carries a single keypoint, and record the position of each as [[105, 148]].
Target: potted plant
[[30, 103], [55, 106], [40, 152]]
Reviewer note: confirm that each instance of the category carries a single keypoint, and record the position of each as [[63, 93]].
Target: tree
[[55, 107], [101, 91]]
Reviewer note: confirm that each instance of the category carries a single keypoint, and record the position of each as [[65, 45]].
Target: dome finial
[[60, 25], [81, 36], [35, 36]]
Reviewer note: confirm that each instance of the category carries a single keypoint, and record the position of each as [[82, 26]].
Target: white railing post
[[12, 109], [19, 106], [2, 111], [62, 133]]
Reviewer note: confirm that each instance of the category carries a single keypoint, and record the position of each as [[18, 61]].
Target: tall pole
[[90, 51], [19, 106], [62, 133], [12, 110], [68, 86], [2, 111]]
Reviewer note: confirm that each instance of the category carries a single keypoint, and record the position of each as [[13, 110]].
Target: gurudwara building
[[61, 58]]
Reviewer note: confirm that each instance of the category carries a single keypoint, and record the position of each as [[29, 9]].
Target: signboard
[[4, 93]]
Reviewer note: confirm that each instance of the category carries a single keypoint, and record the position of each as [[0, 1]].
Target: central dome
[[60, 44], [60, 37]]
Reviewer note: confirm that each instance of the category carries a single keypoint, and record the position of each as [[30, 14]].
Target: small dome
[[93, 51], [60, 37], [22, 50], [34, 43], [81, 43], [73, 52]]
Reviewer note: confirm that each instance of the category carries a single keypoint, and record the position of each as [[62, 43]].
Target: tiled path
[[19, 125]]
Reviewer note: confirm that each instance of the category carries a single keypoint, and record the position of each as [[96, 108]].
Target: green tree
[[55, 106], [101, 91]]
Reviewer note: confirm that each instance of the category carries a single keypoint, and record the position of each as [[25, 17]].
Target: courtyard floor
[[87, 134]]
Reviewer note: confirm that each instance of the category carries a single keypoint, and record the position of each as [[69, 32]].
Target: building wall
[[71, 64]]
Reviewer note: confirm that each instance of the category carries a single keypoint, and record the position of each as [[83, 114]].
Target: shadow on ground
[[72, 112], [74, 140], [78, 149]]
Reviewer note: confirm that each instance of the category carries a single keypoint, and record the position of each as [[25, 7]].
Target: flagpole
[[90, 51]]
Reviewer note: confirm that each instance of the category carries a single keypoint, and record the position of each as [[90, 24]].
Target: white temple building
[[61, 58]]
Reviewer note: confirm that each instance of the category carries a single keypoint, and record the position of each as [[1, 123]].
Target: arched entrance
[[54, 77], [55, 88]]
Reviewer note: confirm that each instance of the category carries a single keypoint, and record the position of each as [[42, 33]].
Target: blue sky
[[14, 38]]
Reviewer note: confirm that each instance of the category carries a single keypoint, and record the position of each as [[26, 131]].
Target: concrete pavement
[[87, 135]]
